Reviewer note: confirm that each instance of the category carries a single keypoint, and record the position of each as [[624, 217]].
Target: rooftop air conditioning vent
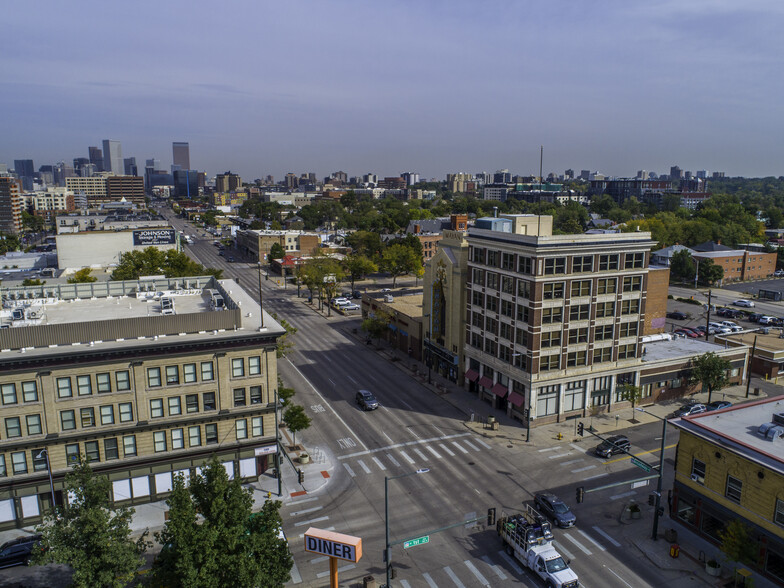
[[763, 429], [778, 418]]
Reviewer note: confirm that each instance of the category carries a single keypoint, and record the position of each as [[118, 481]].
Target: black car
[[613, 445], [718, 405], [552, 506], [366, 400], [690, 408], [357, 294], [754, 317], [17, 552], [677, 315]]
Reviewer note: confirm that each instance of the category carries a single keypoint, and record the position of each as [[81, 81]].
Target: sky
[[425, 86]]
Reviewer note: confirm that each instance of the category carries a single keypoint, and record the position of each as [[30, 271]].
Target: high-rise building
[[112, 157], [181, 155], [676, 173], [129, 166], [25, 171], [292, 182], [10, 205], [226, 182], [128, 188], [62, 171], [96, 158]]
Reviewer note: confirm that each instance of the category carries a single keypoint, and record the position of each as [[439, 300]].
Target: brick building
[[739, 265]]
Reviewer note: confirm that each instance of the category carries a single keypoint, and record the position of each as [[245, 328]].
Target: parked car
[[687, 334], [677, 315], [694, 330], [767, 320], [613, 445], [17, 552], [729, 324], [778, 273], [231, 260], [553, 507], [718, 405], [744, 302], [727, 312], [690, 409], [349, 306], [754, 317], [724, 331], [340, 301], [366, 400], [356, 294]]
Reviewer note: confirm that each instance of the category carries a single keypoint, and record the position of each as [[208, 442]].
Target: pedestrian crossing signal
[[580, 429], [300, 476]]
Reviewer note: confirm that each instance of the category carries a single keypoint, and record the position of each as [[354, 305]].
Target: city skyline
[[425, 87]]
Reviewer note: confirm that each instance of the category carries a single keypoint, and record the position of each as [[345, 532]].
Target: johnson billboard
[[154, 237]]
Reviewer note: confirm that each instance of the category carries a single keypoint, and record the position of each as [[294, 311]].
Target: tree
[[631, 393], [276, 252], [32, 282], [152, 261], [711, 370], [296, 420], [32, 222], [91, 536], [737, 543], [231, 546], [82, 276], [377, 324], [8, 243], [682, 265], [399, 260], [284, 344], [709, 272], [358, 266], [284, 394]]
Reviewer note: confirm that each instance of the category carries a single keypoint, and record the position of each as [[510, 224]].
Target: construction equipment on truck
[[528, 537]]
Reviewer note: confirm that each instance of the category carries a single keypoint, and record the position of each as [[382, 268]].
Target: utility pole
[[748, 371], [707, 319]]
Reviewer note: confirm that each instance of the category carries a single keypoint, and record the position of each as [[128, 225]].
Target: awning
[[472, 375], [516, 399], [486, 382], [500, 390]]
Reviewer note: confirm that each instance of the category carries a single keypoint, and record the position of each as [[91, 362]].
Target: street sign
[[641, 464], [417, 541]]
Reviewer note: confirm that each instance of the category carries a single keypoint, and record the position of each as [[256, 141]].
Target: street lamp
[[657, 505], [388, 551], [45, 453]]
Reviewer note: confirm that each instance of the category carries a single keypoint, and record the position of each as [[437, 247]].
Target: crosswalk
[[409, 453]]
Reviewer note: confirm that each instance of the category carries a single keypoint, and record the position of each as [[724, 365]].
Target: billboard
[[154, 237]]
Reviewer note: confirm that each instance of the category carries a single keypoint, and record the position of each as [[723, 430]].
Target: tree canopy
[[82, 276], [152, 261], [711, 370]]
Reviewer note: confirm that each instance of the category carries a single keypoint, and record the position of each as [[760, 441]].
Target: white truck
[[528, 537]]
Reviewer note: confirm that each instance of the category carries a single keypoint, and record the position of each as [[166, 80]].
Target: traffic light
[[580, 429], [651, 500], [300, 476], [580, 493], [490, 517], [392, 573]]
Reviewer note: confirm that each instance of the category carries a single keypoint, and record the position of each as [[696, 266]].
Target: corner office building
[[146, 378]]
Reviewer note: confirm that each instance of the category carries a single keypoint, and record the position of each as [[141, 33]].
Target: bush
[[689, 301]]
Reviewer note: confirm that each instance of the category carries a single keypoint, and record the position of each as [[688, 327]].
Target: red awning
[[472, 375], [500, 390], [515, 399], [486, 382]]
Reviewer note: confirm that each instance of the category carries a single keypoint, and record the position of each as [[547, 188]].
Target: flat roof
[[736, 428], [678, 347], [773, 340]]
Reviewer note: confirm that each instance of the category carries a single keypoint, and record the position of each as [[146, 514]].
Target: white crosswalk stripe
[[391, 458], [460, 447], [482, 580], [483, 444], [434, 452], [429, 580], [408, 459], [446, 450], [498, 571], [363, 466], [405, 584], [606, 536], [591, 539], [579, 545], [511, 561], [379, 464], [420, 454], [563, 550], [471, 445], [340, 569], [349, 470], [453, 577]]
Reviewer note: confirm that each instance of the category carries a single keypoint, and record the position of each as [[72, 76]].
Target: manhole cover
[[471, 463]]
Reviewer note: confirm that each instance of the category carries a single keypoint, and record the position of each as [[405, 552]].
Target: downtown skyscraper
[[112, 157]]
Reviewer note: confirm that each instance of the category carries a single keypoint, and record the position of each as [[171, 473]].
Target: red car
[[689, 334]]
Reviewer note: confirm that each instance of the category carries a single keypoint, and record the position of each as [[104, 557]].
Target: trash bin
[[671, 536], [675, 550], [368, 582], [756, 391]]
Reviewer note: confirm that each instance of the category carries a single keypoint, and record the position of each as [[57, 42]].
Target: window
[[634, 260], [159, 441], [553, 291], [574, 395], [478, 255], [122, 380], [257, 430], [608, 262], [254, 365], [239, 397], [734, 489], [549, 362], [507, 285], [178, 438], [126, 412], [129, 445], [174, 405], [91, 451], [19, 462], [189, 373], [522, 313], [630, 306], [107, 415], [602, 355], [38, 458], [493, 258], [64, 388], [3, 470], [580, 312], [192, 403], [507, 308], [241, 428], [524, 265], [492, 304], [156, 408], [507, 331], [603, 333], [13, 427], [153, 377], [492, 281], [778, 515], [255, 395], [478, 277], [491, 326], [552, 315], [581, 288], [211, 434], [71, 453], [237, 367], [207, 374], [83, 386], [628, 329], [523, 288], [9, 393], [87, 416], [29, 392], [478, 299], [172, 375], [627, 351], [111, 449], [582, 264], [605, 309], [606, 286], [67, 420], [34, 424], [208, 400], [103, 383], [508, 261], [554, 265], [521, 337], [632, 284], [194, 436], [698, 471], [576, 358], [578, 335], [547, 400], [491, 347]]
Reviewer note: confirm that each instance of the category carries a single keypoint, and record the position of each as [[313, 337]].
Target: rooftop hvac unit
[[778, 418]]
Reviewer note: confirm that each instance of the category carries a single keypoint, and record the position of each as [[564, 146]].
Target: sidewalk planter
[[304, 458], [713, 568]]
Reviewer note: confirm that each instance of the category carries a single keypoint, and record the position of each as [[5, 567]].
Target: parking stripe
[[363, 466], [471, 445], [429, 580], [483, 444], [454, 577], [391, 458], [579, 545], [420, 454]]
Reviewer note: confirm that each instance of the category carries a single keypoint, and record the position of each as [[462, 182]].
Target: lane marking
[[460, 447], [429, 580], [310, 522], [388, 437], [511, 561], [594, 477], [296, 578], [590, 467], [413, 433], [420, 454], [454, 577], [571, 461], [566, 552], [405, 584], [560, 455], [295, 502], [498, 571], [621, 579], [379, 464], [446, 450], [623, 495], [606, 536], [391, 458], [340, 569], [471, 445], [548, 449], [350, 378], [404, 454], [399, 445], [349, 470], [434, 452], [440, 432], [483, 444], [638, 454], [363, 466], [302, 535], [482, 580], [577, 447], [592, 540], [324, 400], [306, 511], [406, 404], [319, 559], [579, 545]]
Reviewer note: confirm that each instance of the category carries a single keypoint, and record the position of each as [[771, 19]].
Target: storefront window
[[687, 512]]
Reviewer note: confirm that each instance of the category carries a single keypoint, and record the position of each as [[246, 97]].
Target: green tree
[[284, 394], [152, 261], [682, 265], [711, 370], [631, 393], [8, 243], [399, 260], [32, 282], [296, 420], [709, 272], [358, 266], [737, 543], [230, 546], [284, 343], [276, 252], [82, 276], [91, 536], [377, 324], [32, 222]]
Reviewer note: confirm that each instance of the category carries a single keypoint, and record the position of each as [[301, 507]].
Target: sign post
[[334, 545]]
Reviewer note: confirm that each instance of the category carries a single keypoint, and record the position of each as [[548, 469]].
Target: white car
[[723, 331], [340, 302], [729, 324], [349, 306], [767, 320], [746, 303]]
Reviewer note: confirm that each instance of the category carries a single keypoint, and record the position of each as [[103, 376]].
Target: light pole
[[51, 481], [657, 505], [388, 551], [261, 300]]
